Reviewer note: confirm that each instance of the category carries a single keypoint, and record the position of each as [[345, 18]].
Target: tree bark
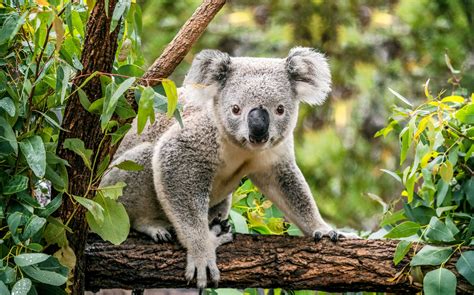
[[292, 263], [98, 54]]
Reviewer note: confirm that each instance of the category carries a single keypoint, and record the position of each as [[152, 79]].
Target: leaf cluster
[[437, 174], [40, 49]]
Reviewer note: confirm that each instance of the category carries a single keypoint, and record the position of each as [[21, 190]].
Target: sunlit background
[[371, 45]]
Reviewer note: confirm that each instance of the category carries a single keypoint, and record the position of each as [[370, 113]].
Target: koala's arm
[[285, 186]]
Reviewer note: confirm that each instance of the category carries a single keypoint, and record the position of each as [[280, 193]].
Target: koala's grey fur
[[189, 173]]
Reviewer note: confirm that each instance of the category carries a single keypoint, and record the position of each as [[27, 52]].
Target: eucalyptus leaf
[[116, 224], [22, 287], [405, 229], [431, 255], [35, 154], [439, 282], [465, 266]]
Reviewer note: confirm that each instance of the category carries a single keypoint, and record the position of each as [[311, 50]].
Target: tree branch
[[293, 263], [183, 41]]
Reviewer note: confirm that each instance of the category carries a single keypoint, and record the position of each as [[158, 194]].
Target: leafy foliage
[[437, 173], [40, 49]]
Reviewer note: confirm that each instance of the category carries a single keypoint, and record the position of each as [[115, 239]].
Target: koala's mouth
[[257, 143], [258, 140]]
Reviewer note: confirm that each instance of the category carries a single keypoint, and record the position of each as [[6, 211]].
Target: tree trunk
[[98, 54], [292, 263]]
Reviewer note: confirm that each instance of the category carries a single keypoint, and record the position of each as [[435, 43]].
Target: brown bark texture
[[292, 263], [182, 42], [98, 55], [99, 51]]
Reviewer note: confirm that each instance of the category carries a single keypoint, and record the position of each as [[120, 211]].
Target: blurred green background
[[372, 45]]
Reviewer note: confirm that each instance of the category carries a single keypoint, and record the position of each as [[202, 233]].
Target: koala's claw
[[318, 236], [162, 236], [200, 267], [219, 226], [334, 235]]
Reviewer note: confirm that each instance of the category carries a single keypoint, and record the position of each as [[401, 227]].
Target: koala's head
[[255, 100]]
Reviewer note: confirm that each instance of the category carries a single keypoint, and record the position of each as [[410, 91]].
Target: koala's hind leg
[[158, 230]]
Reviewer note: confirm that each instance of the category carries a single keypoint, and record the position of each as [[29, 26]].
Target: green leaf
[[55, 232], [10, 27], [441, 210], [393, 174], [113, 191], [17, 184], [51, 207], [30, 258], [7, 275], [171, 94], [85, 102], [439, 282], [431, 255], [14, 220], [442, 188], [465, 266], [402, 249], [8, 105], [62, 78], [8, 143], [77, 146], [405, 144], [466, 114], [34, 225], [399, 96], [145, 109], [240, 224], [129, 165], [405, 229], [3, 289], [469, 190], [49, 272], [111, 103], [103, 166], [120, 133], [93, 207], [446, 171], [438, 231], [33, 150], [392, 218], [21, 287], [120, 8], [116, 225]]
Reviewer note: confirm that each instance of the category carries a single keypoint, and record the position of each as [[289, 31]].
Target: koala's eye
[[236, 109], [280, 110]]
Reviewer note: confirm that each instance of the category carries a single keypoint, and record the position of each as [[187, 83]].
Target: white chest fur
[[237, 162]]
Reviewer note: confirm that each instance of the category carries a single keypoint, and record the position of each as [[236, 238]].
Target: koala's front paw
[[333, 235], [199, 266]]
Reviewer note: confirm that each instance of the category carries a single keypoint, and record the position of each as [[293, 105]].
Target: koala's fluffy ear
[[309, 73], [209, 67]]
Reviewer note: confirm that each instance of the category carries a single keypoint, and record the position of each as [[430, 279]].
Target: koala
[[239, 115]]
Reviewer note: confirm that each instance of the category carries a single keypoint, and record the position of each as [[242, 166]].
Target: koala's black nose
[[258, 121]]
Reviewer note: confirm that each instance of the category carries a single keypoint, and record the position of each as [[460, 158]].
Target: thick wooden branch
[[293, 263], [183, 41]]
